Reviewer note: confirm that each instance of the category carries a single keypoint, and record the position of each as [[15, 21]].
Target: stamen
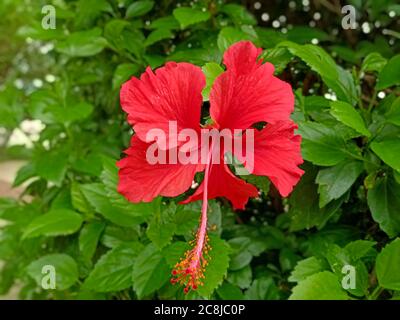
[[190, 270]]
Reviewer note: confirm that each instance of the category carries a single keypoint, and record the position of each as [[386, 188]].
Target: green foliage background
[[345, 210]]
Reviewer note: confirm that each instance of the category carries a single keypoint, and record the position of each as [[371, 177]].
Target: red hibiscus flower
[[247, 93]]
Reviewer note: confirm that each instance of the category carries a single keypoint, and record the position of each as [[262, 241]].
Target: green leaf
[[188, 16], [345, 53], [139, 8], [214, 217], [158, 35], [263, 289], [373, 62], [306, 268], [89, 10], [7, 204], [228, 291], [83, 43], [114, 235], [40, 104], [384, 203], [113, 32], [393, 114], [390, 74], [320, 286], [348, 115], [150, 271], [57, 222], [279, 57], [196, 56], [174, 252], [211, 70], [78, 200], [242, 278], [238, 14], [269, 38], [131, 40], [388, 150], [333, 182], [50, 108], [287, 259], [186, 221], [123, 72], [154, 60], [113, 271], [228, 36], [305, 212], [241, 255], [20, 215], [96, 194], [11, 112], [240, 260], [305, 34], [261, 182], [161, 227], [65, 268], [36, 31], [62, 200], [359, 248], [73, 112], [24, 173], [362, 279], [8, 273], [217, 266], [387, 266], [338, 258], [52, 167], [335, 77], [168, 23], [321, 145], [89, 164], [89, 237]]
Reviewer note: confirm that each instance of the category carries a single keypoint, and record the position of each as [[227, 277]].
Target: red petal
[[241, 58], [141, 181], [277, 155], [222, 183], [248, 92], [173, 93]]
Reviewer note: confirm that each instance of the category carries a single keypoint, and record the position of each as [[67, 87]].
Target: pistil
[[190, 270]]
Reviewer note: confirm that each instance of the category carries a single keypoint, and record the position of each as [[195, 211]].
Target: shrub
[[341, 220]]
